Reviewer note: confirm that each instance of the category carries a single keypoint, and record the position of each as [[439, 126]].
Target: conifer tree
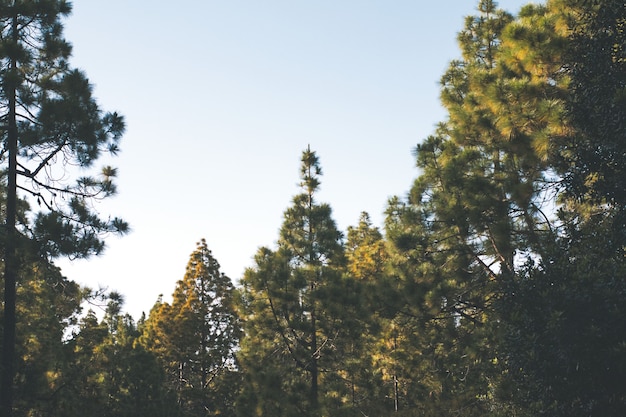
[[571, 299], [132, 381], [50, 122], [290, 302], [478, 205], [195, 337], [367, 282], [48, 304], [596, 63], [81, 389], [106, 372]]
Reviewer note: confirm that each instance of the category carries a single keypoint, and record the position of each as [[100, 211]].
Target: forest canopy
[[496, 286]]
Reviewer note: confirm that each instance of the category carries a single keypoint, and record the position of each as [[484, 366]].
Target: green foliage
[[50, 123], [565, 354], [70, 366], [476, 209], [48, 305], [296, 303], [496, 290], [561, 313], [596, 64], [108, 373], [58, 125], [195, 338], [276, 384]]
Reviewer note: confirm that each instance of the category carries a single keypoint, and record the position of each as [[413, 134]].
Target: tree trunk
[[10, 256], [311, 261], [314, 370]]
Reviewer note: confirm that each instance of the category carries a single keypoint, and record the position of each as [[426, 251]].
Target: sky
[[220, 99]]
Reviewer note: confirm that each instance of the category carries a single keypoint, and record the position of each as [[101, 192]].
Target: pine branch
[[39, 196], [45, 161], [298, 362]]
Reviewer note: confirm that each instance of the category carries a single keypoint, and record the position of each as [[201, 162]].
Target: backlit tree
[[52, 129]]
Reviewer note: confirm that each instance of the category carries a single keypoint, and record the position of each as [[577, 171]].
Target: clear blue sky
[[220, 99]]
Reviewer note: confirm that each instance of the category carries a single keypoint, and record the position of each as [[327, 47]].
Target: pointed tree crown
[[309, 231], [310, 171]]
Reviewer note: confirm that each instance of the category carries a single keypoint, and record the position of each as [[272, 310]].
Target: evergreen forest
[[496, 286]]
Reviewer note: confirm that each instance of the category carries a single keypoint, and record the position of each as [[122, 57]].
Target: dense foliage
[[49, 123], [496, 288]]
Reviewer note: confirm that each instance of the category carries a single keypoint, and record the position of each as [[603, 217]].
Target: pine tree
[[50, 122], [478, 206], [81, 390], [292, 306], [133, 382], [48, 305], [196, 336], [367, 282], [571, 299], [596, 63]]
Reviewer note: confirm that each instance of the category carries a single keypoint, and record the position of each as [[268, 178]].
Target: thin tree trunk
[[10, 257], [396, 392], [314, 370], [181, 382], [314, 352]]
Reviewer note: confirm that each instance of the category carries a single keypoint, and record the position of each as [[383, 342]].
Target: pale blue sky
[[220, 99]]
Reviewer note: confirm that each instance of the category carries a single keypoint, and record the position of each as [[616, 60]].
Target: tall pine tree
[[478, 208], [50, 122], [566, 357], [292, 308]]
